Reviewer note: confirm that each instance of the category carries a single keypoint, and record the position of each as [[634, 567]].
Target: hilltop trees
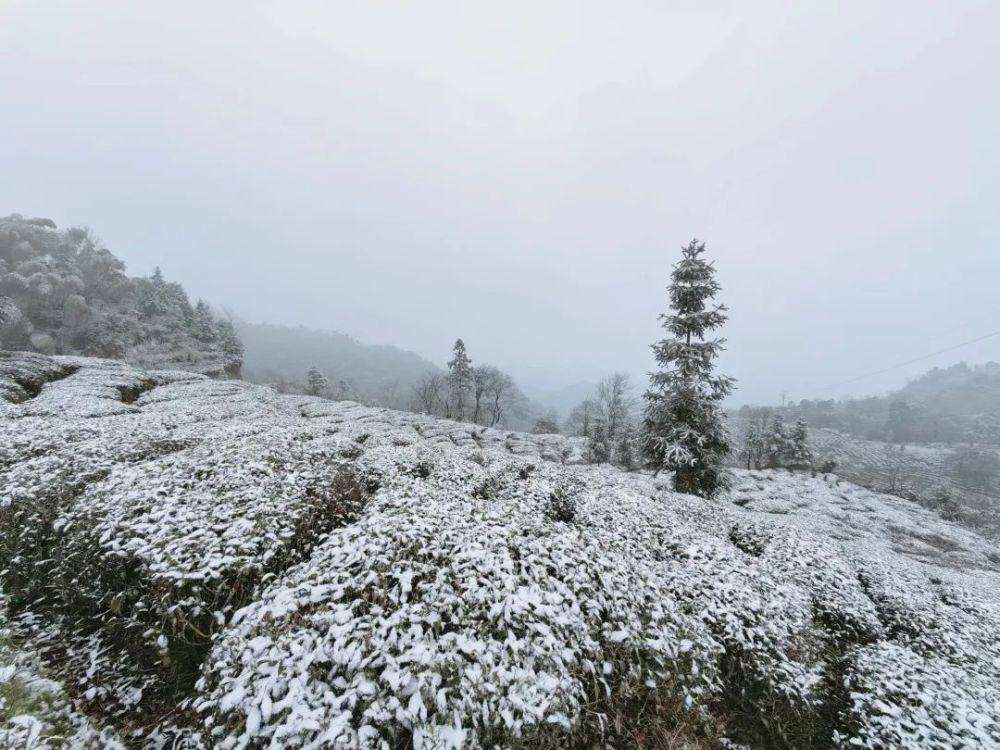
[[683, 428], [766, 442], [483, 394], [68, 295]]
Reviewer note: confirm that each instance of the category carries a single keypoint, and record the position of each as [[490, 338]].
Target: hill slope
[[924, 473], [214, 561]]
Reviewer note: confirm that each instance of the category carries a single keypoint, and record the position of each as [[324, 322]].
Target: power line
[[912, 361]]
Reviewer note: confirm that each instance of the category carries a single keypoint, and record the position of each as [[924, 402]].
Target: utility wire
[[912, 361]]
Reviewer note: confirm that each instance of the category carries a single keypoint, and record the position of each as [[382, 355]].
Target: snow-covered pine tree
[[752, 446], [230, 345], [459, 381], [624, 454], [777, 444], [683, 423], [204, 323], [598, 451], [316, 383], [802, 455]]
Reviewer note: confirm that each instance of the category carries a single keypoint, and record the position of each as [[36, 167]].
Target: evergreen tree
[[801, 453], [683, 422], [777, 444], [204, 322], [753, 446], [316, 383], [230, 345], [597, 444], [624, 454], [459, 381]]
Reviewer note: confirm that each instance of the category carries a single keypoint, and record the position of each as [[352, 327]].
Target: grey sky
[[522, 174]]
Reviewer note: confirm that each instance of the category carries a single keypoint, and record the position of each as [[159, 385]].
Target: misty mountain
[[547, 395], [63, 292], [956, 404], [378, 373], [963, 390]]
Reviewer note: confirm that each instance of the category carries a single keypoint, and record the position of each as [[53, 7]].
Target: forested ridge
[[63, 292]]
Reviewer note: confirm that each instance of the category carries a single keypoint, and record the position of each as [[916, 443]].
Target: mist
[[523, 176]]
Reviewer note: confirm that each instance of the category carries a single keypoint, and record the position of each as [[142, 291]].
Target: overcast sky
[[523, 174]]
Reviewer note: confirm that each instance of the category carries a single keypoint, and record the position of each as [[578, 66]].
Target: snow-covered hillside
[[212, 563], [920, 472]]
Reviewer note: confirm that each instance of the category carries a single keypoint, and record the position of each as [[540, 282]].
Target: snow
[[296, 572]]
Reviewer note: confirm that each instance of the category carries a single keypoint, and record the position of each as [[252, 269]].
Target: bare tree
[[388, 394], [481, 377], [614, 407], [580, 420], [615, 404], [428, 392], [503, 398]]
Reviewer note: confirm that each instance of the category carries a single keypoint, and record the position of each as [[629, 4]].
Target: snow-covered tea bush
[[215, 564]]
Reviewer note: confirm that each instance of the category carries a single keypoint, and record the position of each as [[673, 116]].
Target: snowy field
[[197, 563]]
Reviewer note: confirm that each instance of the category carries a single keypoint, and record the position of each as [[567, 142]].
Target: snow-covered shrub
[[442, 617], [161, 519]]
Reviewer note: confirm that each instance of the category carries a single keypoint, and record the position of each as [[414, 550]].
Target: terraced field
[[197, 563]]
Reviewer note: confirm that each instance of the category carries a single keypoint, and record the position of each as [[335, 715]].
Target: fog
[[523, 175]]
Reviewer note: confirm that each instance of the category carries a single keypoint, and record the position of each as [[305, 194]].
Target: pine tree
[[317, 383], [624, 454], [683, 422], [597, 444], [204, 323], [801, 453], [777, 444], [459, 381]]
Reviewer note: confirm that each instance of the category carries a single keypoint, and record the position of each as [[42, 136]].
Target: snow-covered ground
[[215, 564]]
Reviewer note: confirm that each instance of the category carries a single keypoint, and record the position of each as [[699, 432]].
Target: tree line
[[481, 394]]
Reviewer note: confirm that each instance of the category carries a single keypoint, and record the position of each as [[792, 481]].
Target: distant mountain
[[62, 292], [962, 390], [956, 404], [564, 399], [380, 374]]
